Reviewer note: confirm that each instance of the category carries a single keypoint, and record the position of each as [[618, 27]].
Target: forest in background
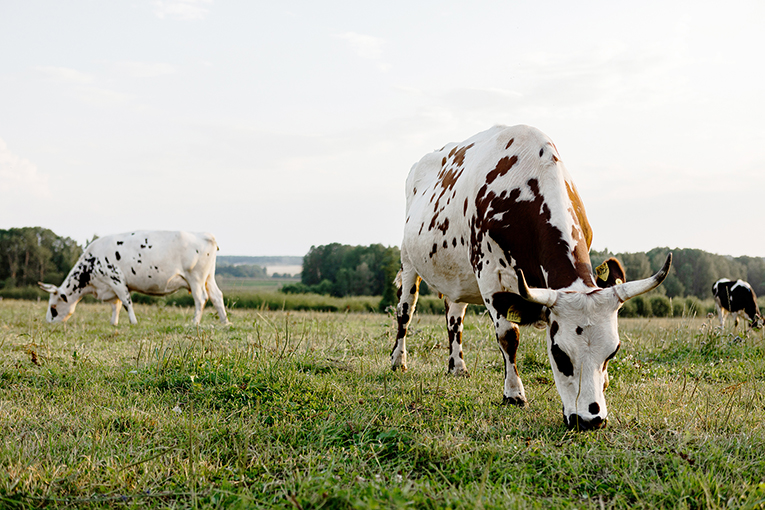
[[32, 254]]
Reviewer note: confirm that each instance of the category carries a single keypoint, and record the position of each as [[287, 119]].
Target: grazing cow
[[154, 263], [738, 299], [485, 219]]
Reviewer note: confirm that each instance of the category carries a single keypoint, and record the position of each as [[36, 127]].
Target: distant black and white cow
[[485, 219], [155, 263], [738, 299]]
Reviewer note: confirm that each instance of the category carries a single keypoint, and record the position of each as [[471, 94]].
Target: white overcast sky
[[284, 124]]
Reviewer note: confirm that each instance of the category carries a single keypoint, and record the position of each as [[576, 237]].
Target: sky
[[282, 125]]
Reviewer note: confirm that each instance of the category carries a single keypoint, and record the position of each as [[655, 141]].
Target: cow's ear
[[610, 273], [48, 287], [629, 290]]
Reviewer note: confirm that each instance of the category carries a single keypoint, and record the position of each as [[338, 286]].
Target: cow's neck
[[544, 255], [78, 281], [527, 234]]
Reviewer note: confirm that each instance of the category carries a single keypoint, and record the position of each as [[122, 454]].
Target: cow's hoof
[[518, 401], [398, 367], [459, 373]]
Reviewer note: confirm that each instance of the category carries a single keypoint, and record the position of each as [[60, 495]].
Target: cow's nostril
[[594, 409], [576, 422]]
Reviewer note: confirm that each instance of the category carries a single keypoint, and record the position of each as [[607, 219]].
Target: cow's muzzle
[[580, 424]]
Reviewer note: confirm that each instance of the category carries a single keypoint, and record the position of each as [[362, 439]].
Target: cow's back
[[158, 262], [459, 196]]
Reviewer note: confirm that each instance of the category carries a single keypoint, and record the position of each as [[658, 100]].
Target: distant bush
[[660, 306], [628, 309], [27, 293], [678, 308]]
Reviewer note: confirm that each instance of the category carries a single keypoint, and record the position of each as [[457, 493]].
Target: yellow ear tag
[[619, 281], [513, 316], [602, 271]]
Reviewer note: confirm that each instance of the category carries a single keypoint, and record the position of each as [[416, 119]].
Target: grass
[[301, 410]]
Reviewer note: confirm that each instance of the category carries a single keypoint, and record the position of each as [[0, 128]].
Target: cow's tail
[[399, 280]]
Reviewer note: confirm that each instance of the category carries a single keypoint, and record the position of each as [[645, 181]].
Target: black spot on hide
[[117, 254], [562, 361]]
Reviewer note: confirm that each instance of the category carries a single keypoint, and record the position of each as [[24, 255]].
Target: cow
[[496, 220], [737, 298], [150, 262]]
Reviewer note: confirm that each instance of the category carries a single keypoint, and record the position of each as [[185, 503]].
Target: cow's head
[[582, 336], [59, 306]]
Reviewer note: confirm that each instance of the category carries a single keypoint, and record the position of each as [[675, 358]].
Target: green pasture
[[291, 409]]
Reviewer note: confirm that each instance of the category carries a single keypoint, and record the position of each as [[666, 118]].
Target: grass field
[[301, 410]]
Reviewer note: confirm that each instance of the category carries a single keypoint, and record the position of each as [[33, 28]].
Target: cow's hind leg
[[216, 296], [409, 290], [508, 338], [455, 315], [115, 310], [123, 296]]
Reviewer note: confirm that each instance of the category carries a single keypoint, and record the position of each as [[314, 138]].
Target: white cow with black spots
[[156, 263], [496, 220]]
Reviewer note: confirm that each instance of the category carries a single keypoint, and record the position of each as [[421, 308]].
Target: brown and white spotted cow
[[488, 215]]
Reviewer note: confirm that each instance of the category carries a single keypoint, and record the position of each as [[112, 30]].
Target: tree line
[[342, 270], [34, 254], [693, 271], [241, 271]]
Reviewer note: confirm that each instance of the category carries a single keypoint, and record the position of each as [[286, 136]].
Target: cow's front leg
[[455, 315], [115, 310], [508, 338], [408, 292]]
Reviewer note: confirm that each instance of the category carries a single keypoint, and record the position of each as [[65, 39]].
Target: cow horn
[[629, 290], [546, 297], [48, 287]]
